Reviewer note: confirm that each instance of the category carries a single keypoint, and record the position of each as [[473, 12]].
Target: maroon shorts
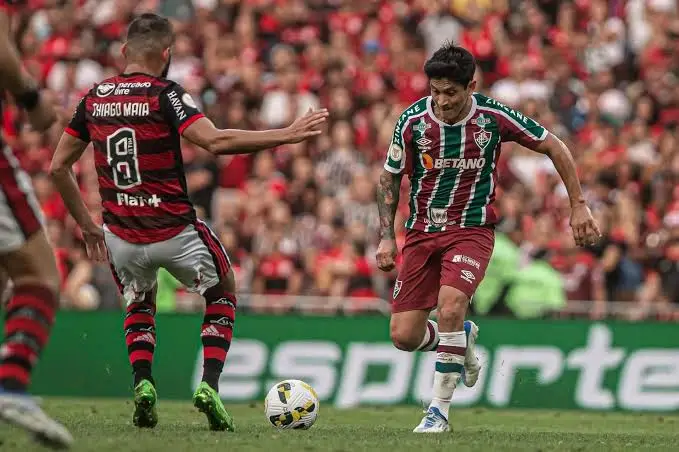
[[457, 257]]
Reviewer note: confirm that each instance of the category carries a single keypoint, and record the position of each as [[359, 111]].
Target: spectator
[[301, 219]]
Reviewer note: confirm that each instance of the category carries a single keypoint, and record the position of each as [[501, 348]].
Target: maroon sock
[[216, 332], [140, 337], [29, 319]]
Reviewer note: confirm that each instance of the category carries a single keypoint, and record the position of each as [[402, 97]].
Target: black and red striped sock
[[29, 319], [140, 337], [216, 332]]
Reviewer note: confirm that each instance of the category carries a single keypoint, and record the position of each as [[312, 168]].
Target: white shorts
[[194, 256], [20, 213]]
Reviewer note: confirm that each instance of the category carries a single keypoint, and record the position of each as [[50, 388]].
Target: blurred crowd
[[301, 219]]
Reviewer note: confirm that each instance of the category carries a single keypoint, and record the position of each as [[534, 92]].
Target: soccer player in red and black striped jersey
[[25, 257], [135, 121]]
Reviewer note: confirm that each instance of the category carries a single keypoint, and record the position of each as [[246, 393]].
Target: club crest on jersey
[[105, 89], [422, 126], [482, 138], [397, 288]]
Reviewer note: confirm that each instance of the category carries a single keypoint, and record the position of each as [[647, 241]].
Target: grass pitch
[[105, 425]]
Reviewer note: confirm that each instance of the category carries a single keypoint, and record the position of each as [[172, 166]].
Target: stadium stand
[[301, 220]]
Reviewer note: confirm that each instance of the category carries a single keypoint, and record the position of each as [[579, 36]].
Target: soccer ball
[[291, 404]]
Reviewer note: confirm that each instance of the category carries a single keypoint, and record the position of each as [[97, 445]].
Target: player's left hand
[[94, 243], [585, 229]]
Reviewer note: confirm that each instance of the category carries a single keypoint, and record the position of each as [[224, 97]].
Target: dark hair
[[453, 63], [149, 33]]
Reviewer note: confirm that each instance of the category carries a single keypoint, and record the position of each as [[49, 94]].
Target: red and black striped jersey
[[134, 122]]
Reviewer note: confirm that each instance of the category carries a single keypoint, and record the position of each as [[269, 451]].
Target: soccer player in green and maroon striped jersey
[[448, 144]]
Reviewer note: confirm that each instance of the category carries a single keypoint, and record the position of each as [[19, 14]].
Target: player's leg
[[467, 261], [30, 313], [464, 261], [216, 334], [198, 260], [217, 328], [450, 357], [414, 330], [140, 338], [415, 294], [135, 276]]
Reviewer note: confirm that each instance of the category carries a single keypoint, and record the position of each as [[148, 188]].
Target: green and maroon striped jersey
[[453, 167]]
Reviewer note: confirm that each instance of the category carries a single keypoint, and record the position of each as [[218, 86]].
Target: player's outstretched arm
[[203, 133], [11, 76], [67, 153], [585, 229], [387, 194], [22, 87]]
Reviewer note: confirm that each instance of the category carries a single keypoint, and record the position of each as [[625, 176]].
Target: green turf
[[105, 425]]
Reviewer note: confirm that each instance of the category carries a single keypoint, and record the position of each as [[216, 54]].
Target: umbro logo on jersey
[[423, 143], [105, 89], [212, 331]]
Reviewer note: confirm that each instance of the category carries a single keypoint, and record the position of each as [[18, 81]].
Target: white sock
[[450, 355], [431, 337]]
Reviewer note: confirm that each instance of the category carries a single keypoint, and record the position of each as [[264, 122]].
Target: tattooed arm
[[388, 190], [387, 202]]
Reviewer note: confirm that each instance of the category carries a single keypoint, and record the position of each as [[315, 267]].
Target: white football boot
[[433, 422], [472, 366], [22, 411]]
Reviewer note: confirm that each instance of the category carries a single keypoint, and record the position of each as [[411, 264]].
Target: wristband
[[28, 100]]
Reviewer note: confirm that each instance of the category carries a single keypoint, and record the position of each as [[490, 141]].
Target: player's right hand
[[386, 255], [307, 126], [93, 236]]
